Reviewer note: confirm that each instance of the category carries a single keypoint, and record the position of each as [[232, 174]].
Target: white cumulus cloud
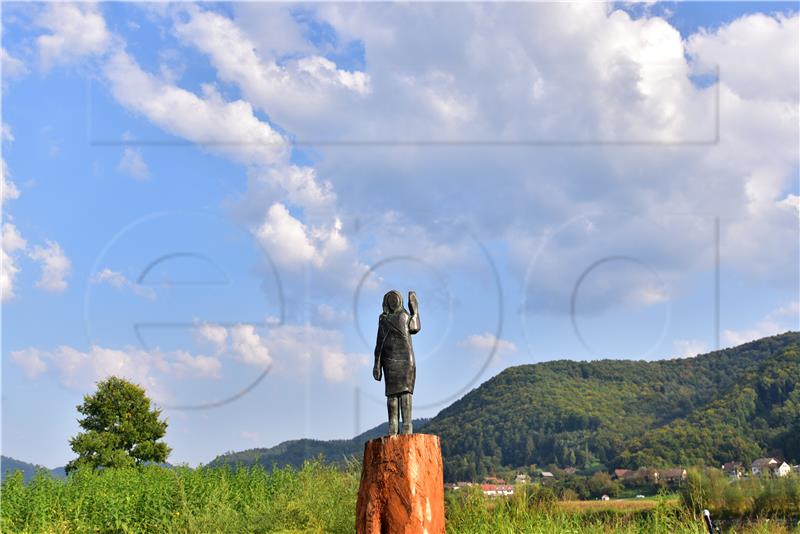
[[292, 350], [56, 266], [12, 67], [687, 348], [75, 30], [292, 243], [9, 189], [120, 281], [786, 317], [214, 334], [756, 55], [12, 242], [307, 348], [133, 164], [333, 316], [486, 342], [227, 127], [248, 346], [303, 87], [80, 370]]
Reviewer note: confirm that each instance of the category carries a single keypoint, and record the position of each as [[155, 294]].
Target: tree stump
[[402, 486]]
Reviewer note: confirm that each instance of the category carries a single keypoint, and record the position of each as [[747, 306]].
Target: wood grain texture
[[402, 486]]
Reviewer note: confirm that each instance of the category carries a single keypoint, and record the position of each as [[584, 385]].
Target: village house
[[493, 480], [497, 490], [733, 469], [650, 476], [783, 469], [763, 466], [547, 475], [522, 478], [673, 475], [619, 474], [770, 467]]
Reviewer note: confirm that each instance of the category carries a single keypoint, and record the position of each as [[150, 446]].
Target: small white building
[[783, 470], [497, 490]]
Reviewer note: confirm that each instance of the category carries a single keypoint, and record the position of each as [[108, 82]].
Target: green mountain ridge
[[295, 452], [9, 465], [734, 404]]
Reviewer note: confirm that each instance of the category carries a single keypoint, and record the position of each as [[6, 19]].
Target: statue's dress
[[397, 352]]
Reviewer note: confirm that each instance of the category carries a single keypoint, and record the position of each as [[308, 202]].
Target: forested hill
[[10, 465], [297, 451], [735, 404]]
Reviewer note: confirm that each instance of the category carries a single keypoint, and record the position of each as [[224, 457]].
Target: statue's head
[[392, 301]]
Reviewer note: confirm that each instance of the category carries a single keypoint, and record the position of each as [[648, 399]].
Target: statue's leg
[[405, 405], [394, 414]]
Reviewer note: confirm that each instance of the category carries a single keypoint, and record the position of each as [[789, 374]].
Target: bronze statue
[[394, 356]]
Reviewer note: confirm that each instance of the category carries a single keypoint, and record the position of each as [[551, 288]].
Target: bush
[[752, 498], [568, 495]]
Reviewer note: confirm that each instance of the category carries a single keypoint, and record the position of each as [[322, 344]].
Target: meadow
[[316, 498], [320, 498]]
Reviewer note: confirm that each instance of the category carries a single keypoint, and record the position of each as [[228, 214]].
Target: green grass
[[316, 498]]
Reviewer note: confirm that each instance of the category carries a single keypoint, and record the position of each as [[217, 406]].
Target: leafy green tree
[[600, 483], [571, 459], [121, 430]]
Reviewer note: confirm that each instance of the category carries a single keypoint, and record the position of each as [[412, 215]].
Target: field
[[619, 505], [315, 499], [472, 514]]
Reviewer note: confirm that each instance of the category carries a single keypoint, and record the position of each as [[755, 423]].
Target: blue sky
[[212, 199]]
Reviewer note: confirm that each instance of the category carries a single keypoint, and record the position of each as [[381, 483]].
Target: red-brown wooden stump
[[402, 486]]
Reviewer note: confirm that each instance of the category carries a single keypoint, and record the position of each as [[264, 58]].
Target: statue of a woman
[[394, 356]]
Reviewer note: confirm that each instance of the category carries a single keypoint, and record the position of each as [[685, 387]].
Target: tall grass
[[315, 498], [528, 511], [320, 498], [750, 498]]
